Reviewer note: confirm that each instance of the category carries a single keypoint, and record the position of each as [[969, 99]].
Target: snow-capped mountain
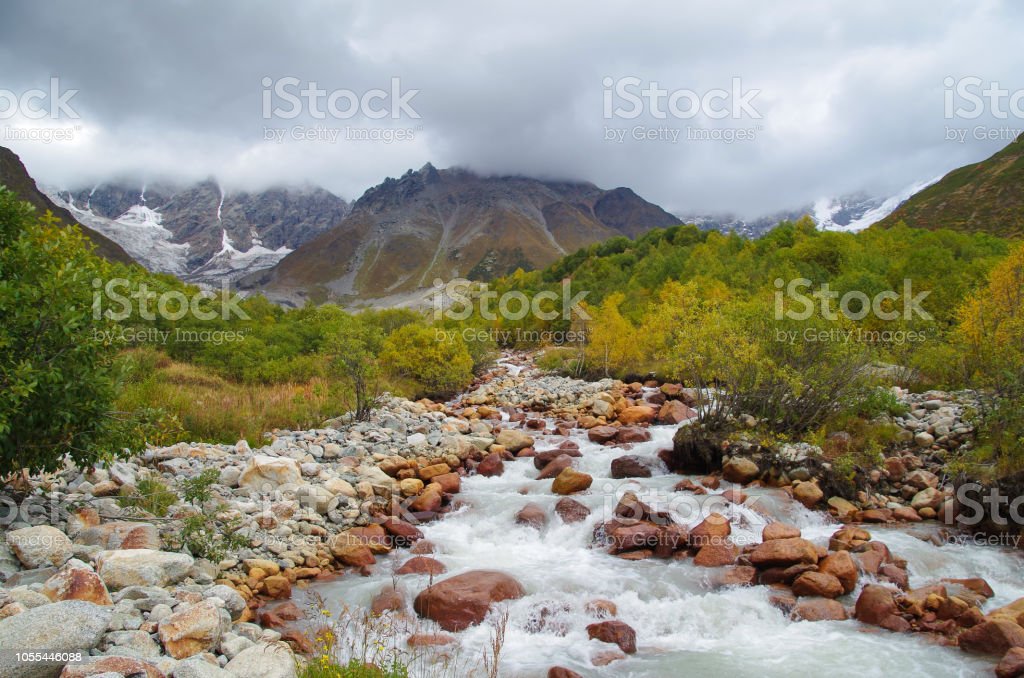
[[853, 212], [200, 232]]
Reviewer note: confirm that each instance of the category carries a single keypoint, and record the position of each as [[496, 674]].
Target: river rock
[[40, 546], [64, 626], [556, 466], [630, 466], [817, 584], [570, 481], [783, 553], [638, 414], [840, 565], [422, 565], [263, 660], [712, 530], [808, 493], [602, 434], [992, 637], [195, 629], [198, 667], [464, 600], [491, 465], [121, 535], [675, 412], [616, 632], [779, 531], [264, 473], [571, 511], [1012, 664], [513, 440], [115, 665], [76, 581], [142, 567], [740, 470], [561, 671], [819, 609], [532, 515], [876, 606]]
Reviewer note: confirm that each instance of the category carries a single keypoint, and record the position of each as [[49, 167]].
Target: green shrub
[[437, 360], [149, 495]]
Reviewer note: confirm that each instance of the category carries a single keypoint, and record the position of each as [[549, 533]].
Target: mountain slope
[[987, 196], [199, 232], [404, 233], [16, 178]]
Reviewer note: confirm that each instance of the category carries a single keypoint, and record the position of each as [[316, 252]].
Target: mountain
[[404, 233], [199, 232], [16, 178], [852, 212], [987, 196]]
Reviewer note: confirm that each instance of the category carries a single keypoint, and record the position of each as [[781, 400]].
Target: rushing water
[[684, 624]]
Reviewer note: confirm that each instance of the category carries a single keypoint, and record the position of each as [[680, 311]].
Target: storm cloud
[[841, 96]]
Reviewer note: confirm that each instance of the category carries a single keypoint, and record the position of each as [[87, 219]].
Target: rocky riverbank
[[311, 506]]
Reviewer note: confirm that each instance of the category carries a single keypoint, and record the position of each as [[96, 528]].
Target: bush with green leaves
[[58, 374], [438, 361]]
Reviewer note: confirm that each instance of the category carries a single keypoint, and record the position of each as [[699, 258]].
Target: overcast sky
[[833, 97]]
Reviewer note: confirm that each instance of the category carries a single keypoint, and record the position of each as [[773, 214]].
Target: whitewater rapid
[[684, 625]]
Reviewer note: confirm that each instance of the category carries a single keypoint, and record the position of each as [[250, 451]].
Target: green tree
[[57, 369], [438, 360]]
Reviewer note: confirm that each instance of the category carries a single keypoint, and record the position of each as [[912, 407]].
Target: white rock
[[264, 473], [40, 546], [64, 626], [265, 660], [142, 567]]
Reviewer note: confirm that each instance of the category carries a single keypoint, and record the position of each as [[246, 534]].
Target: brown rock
[[632, 434], [630, 466], [712, 530], [601, 608], [570, 481], [601, 434], [779, 531], [1012, 664], [388, 600], [555, 466], [422, 565], [402, 533], [74, 581], [532, 515], [571, 511], [450, 483], [715, 555], [738, 575], [562, 672], [491, 465], [819, 609], [675, 412], [849, 539], [876, 606], [840, 565], [615, 632], [191, 631], [430, 639], [277, 587], [353, 555], [638, 414], [783, 553], [464, 600], [817, 584], [121, 535], [808, 494], [427, 473], [992, 637], [740, 470]]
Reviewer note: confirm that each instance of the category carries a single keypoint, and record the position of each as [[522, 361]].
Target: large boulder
[[264, 473], [840, 565], [876, 606], [602, 434], [571, 511], [817, 584], [76, 581], [72, 625], [675, 412], [819, 609], [464, 600], [554, 467], [142, 567], [992, 637], [570, 481], [740, 470], [40, 546], [630, 466], [121, 535], [263, 660], [513, 440], [1012, 664], [195, 629], [614, 631], [638, 414], [783, 553], [115, 665]]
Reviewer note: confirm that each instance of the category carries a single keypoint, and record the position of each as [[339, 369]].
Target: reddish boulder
[[638, 414], [542, 459], [715, 555], [571, 511], [601, 434], [491, 465], [779, 531], [388, 600], [876, 606], [992, 637], [630, 466], [464, 600], [632, 434], [532, 515], [615, 632], [422, 565], [840, 565], [675, 412], [561, 672], [570, 481], [819, 609], [1012, 664], [556, 466], [783, 553], [817, 584], [712, 530]]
